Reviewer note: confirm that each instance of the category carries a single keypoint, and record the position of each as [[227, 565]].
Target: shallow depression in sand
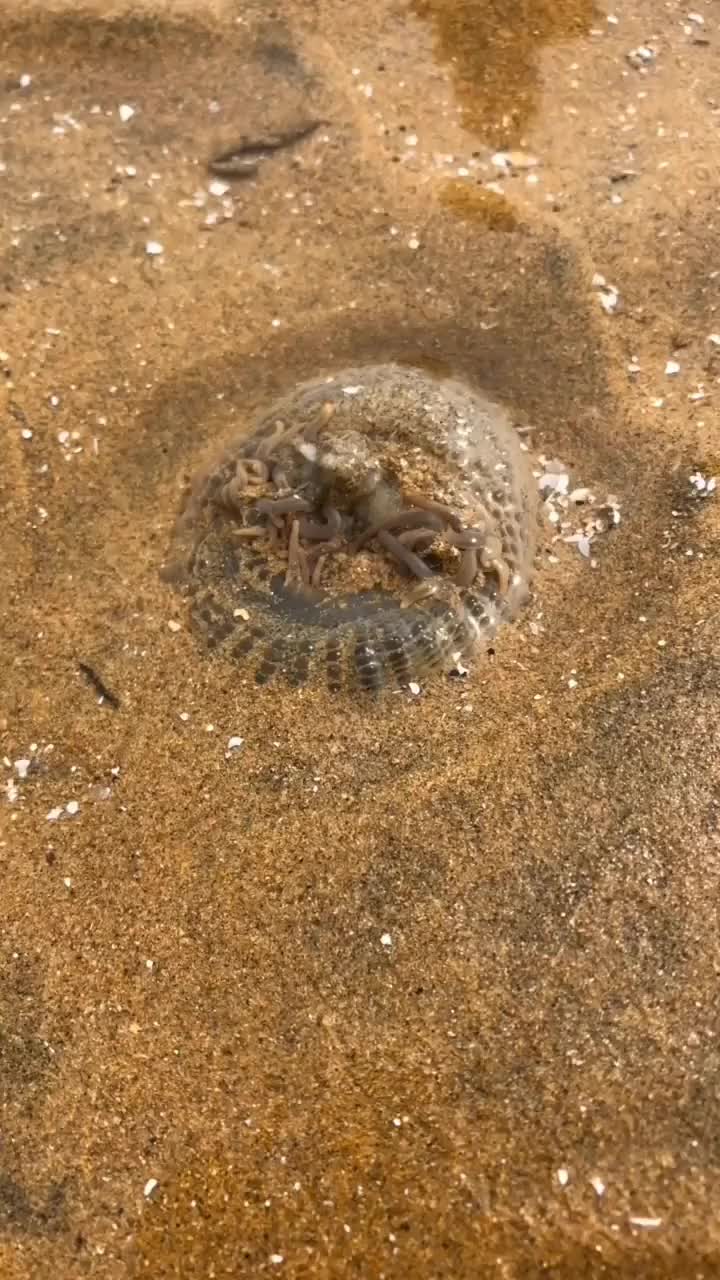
[[373, 527]]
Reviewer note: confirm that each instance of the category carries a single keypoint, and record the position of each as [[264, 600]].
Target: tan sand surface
[[425, 987]]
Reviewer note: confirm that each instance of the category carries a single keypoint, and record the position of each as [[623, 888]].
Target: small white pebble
[[173, 625], [609, 299], [218, 188], [26, 80], [714, 338], [67, 881], [352, 391], [241, 613], [184, 716], [555, 481], [414, 688], [608, 294], [702, 484], [572, 683], [149, 1187], [597, 1185], [11, 791], [154, 248], [671, 368], [514, 160], [640, 57], [563, 1177], [648, 1223], [125, 112], [54, 814], [413, 243], [235, 743], [26, 433], [276, 1259], [21, 768], [386, 939], [275, 323], [72, 807]]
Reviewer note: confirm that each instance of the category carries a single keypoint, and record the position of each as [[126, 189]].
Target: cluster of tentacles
[[422, 537]]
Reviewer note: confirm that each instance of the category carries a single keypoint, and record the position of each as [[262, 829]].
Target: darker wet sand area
[[314, 985]]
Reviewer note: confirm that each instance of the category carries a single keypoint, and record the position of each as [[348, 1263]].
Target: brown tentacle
[[316, 574], [415, 537], [250, 531], [499, 567], [467, 570], [399, 520], [262, 448], [297, 565], [403, 555], [445, 513], [317, 532], [464, 538], [282, 506]]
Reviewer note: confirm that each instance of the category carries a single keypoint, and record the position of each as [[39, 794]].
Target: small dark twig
[[99, 685]]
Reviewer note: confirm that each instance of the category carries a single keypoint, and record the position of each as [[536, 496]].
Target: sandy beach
[[304, 984]]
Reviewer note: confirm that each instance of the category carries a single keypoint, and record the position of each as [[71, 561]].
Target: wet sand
[[418, 987]]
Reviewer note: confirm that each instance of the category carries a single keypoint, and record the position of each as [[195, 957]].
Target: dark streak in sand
[[243, 159]]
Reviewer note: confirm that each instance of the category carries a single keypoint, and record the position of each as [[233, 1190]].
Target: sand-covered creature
[[374, 526]]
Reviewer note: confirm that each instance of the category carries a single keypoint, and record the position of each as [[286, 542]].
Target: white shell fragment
[[641, 57], [514, 160], [564, 507], [704, 486], [608, 294]]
